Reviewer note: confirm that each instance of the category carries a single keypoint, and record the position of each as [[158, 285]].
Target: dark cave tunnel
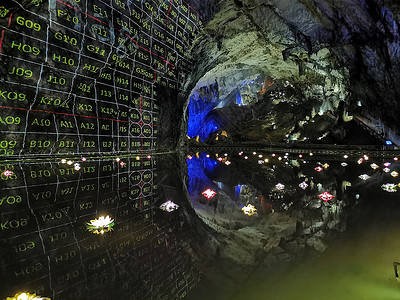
[[170, 149]]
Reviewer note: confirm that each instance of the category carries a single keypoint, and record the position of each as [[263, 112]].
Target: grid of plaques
[[84, 76]]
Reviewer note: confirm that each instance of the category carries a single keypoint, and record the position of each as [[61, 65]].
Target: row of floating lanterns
[[77, 166], [104, 224], [325, 196], [8, 173]]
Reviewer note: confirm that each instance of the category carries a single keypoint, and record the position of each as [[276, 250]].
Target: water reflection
[[271, 208], [161, 221], [50, 210]]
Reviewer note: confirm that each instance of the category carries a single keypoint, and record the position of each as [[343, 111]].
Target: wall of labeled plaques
[[84, 76], [47, 248]]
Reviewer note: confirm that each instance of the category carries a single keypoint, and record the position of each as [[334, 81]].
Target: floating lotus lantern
[[325, 196], [386, 170], [169, 206], [100, 225], [389, 187], [249, 210], [325, 165], [27, 296], [7, 173], [280, 187], [364, 177], [318, 169], [208, 193], [374, 166], [303, 185], [343, 164], [394, 174]]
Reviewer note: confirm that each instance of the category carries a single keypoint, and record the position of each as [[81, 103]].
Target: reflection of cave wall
[[288, 222], [329, 52]]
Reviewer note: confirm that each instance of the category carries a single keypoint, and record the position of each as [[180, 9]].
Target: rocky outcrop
[[308, 55]]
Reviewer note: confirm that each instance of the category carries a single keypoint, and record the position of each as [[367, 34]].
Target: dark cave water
[[248, 224]]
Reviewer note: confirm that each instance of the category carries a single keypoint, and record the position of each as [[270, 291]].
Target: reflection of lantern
[[280, 186], [303, 185], [318, 169], [208, 193], [169, 206], [389, 187], [249, 210], [325, 196], [100, 225], [364, 177]]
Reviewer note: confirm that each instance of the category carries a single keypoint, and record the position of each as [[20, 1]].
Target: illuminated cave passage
[[192, 149]]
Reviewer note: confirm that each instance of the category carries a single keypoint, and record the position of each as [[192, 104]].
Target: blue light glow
[[238, 98], [389, 143], [200, 122], [198, 180]]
